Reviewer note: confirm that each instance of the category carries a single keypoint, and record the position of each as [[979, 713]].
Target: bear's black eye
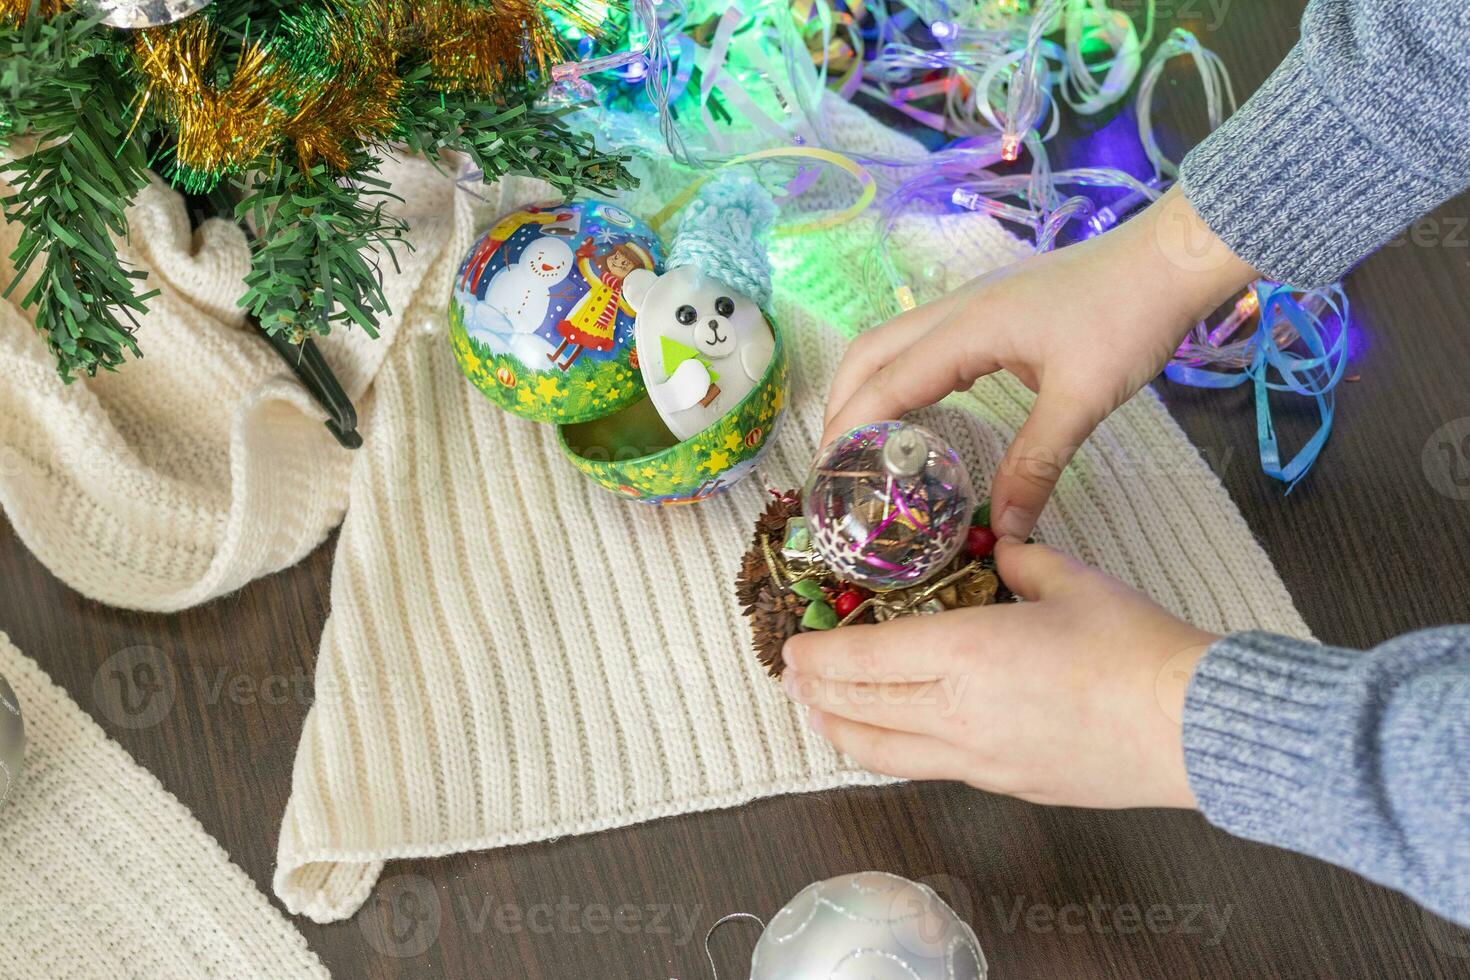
[[725, 306], [686, 314]]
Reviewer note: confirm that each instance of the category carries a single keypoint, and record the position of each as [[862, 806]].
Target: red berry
[[847, 602], [979, 542]]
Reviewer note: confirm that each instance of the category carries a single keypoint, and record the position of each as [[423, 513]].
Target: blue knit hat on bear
[[723, 235]]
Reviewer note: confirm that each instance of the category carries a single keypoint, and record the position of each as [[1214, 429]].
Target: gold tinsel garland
[[16, 10], [327, 80], [327, 108]]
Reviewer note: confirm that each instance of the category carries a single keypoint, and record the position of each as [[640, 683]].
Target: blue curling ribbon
[[1314, 374]]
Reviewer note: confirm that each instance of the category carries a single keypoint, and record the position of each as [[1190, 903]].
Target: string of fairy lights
[[990, 81], [986, 84]]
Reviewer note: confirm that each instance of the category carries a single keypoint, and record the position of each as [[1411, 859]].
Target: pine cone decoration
[[754, 576], [775, 618], [781, 509], [776, 613]]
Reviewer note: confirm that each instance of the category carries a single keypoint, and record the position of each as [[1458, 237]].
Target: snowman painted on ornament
[[702, 339], [491, 241], [522, 291]]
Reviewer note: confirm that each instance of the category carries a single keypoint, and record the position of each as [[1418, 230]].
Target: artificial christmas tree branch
[[301, 355], [61, 90], [312, 265], [287, 105]]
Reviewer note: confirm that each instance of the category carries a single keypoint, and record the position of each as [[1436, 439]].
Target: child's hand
[[1073, 697], [1085, 327]]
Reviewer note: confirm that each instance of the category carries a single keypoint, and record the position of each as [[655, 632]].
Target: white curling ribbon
[[1214, 78]]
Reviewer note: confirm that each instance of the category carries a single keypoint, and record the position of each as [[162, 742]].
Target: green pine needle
[[63, 91], [312, 268], [510, 138]]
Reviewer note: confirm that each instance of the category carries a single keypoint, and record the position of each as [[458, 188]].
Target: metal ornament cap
[[905, 453]]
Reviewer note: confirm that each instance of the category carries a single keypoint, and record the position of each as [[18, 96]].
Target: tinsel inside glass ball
[[888, 505]]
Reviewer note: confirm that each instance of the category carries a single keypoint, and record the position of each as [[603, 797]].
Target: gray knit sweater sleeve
[[1361, 759], [1363, 128]]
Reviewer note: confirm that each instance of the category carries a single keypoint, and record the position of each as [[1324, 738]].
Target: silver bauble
[[137, 14], [867, 926], [12, 740]]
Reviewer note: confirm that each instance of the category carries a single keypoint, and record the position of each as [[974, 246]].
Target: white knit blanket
[[103, 874], [513, 654]]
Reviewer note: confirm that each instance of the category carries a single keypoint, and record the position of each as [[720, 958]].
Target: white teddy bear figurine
[[702, 346]]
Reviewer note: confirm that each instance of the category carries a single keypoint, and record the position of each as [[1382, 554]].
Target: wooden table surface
[[1372, 544]]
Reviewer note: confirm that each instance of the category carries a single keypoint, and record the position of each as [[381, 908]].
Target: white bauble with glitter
[[138, 14], [867, 926]]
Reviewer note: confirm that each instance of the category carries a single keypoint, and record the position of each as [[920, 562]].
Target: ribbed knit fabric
[[103, 874], [202, 465], [514, 655], [1362, 129], [1361, 759]]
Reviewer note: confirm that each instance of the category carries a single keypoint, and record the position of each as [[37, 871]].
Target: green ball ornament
[[665, 384]]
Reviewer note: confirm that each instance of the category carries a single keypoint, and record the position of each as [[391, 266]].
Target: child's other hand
[[1074, 697], [1085, 327]]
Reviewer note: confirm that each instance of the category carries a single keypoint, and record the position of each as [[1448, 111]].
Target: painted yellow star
[[717, 462], [547, 388], [777, 400], [525, 395], [732, 441]]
